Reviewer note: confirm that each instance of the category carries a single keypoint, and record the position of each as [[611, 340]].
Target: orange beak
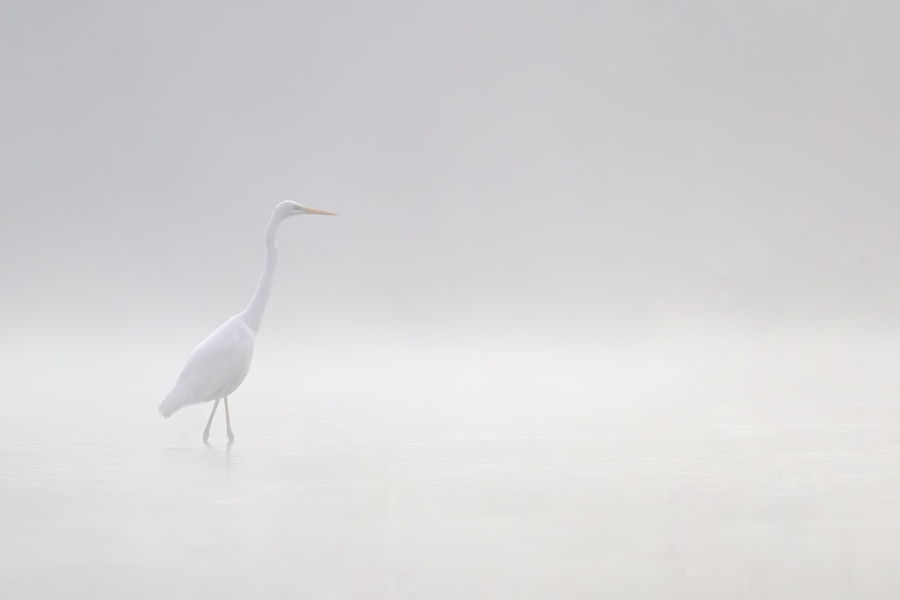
[[316, 211]]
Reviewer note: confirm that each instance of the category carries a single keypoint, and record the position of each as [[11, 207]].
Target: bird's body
[[215, 368], [220, 363]]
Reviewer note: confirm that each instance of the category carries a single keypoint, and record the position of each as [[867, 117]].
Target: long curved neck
[[253, 314]]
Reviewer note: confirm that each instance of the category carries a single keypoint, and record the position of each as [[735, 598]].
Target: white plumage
[[220, 363], [215, 368]]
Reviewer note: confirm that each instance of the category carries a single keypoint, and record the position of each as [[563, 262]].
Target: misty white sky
[[496, 165]]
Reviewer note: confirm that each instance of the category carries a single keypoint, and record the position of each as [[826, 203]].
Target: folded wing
[[214, 369]]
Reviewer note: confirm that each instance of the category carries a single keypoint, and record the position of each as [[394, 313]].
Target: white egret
[[220, 363]]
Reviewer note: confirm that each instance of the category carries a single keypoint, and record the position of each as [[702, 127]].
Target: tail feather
[[174, 402]]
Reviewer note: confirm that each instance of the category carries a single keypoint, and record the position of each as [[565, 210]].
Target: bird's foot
[[206, 437], [230, 437]]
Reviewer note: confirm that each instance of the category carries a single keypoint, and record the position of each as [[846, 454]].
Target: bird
[[219, 364]]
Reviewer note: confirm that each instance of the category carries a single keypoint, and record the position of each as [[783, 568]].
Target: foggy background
[[579, 222], [560, 176], [495, 165]]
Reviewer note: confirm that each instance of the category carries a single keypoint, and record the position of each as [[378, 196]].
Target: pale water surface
[[800, 511], [684, 470]]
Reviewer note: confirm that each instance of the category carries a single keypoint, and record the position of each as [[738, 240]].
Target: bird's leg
[[228, 421], [209, 423]]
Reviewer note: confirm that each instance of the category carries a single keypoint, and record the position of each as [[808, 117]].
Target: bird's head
[[290, 209]]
